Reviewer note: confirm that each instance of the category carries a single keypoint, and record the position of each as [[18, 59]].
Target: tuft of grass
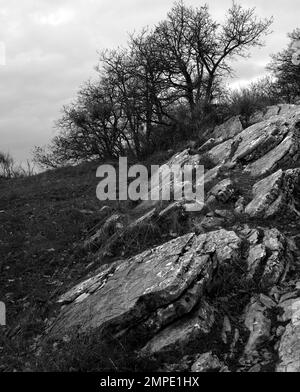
[[88, 353]]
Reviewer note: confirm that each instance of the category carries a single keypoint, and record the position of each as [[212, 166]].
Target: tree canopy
[[178, 65]]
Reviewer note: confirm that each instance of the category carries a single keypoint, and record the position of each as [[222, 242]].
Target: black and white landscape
[[149, 284]]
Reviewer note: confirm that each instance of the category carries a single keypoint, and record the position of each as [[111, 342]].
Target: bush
[[6, 165], [9, 169], [246, 101]]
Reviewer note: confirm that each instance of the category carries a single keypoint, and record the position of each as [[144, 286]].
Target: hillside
[[44, 221], [153, 286]]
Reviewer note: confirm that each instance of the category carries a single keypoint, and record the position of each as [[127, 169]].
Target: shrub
[[9, 169], [246, 101]]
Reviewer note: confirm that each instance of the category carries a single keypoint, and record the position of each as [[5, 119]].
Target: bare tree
[[194, 50], [144, 89]]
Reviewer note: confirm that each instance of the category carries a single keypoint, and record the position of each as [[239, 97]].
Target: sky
[[48, 48]]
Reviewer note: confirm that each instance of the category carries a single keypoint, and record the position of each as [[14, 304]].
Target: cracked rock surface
[[224, 294], [150, 284]]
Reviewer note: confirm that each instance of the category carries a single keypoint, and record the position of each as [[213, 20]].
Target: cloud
[[51, 48]]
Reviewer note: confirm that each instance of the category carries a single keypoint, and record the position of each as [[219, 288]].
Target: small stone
[[206, 362], [275, 293], [226, 214], [223, 191], [280, 330], [226, 329], [267, 301], [240, 205], [259, 326], [211, 223], [255, 369], [235, 339], [267, 355]]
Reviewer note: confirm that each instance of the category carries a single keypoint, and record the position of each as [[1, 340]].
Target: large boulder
[[229, 129], [151, 289], [221, 152]]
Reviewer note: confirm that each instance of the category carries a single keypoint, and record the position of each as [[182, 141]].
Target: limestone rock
[[240, 205], [163, 176], [167, 297], [229, 129], [289, 348], [271, 159], [211, 222], [270, 111], [256, 256], [269, 258], [223, 191], [288, 307], [221, 152], [274, 193], [259, 326], [225, 214], [279, 259], [151, 286], [174, 338], [267, 301], [211, 175], [266, 114], [207, 362], [263, 147]]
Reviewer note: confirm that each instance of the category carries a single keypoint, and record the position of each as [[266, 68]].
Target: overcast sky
[[51, 48]]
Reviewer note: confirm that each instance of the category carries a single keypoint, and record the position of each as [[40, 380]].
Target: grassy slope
[[42, 221]]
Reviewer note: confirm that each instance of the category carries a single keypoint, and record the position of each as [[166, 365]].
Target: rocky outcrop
[[162, 176], [164, 297], [229, 129], [267, 145], [268, 153], [219, 297], [153, 288], [274, 194], [271, 111]]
